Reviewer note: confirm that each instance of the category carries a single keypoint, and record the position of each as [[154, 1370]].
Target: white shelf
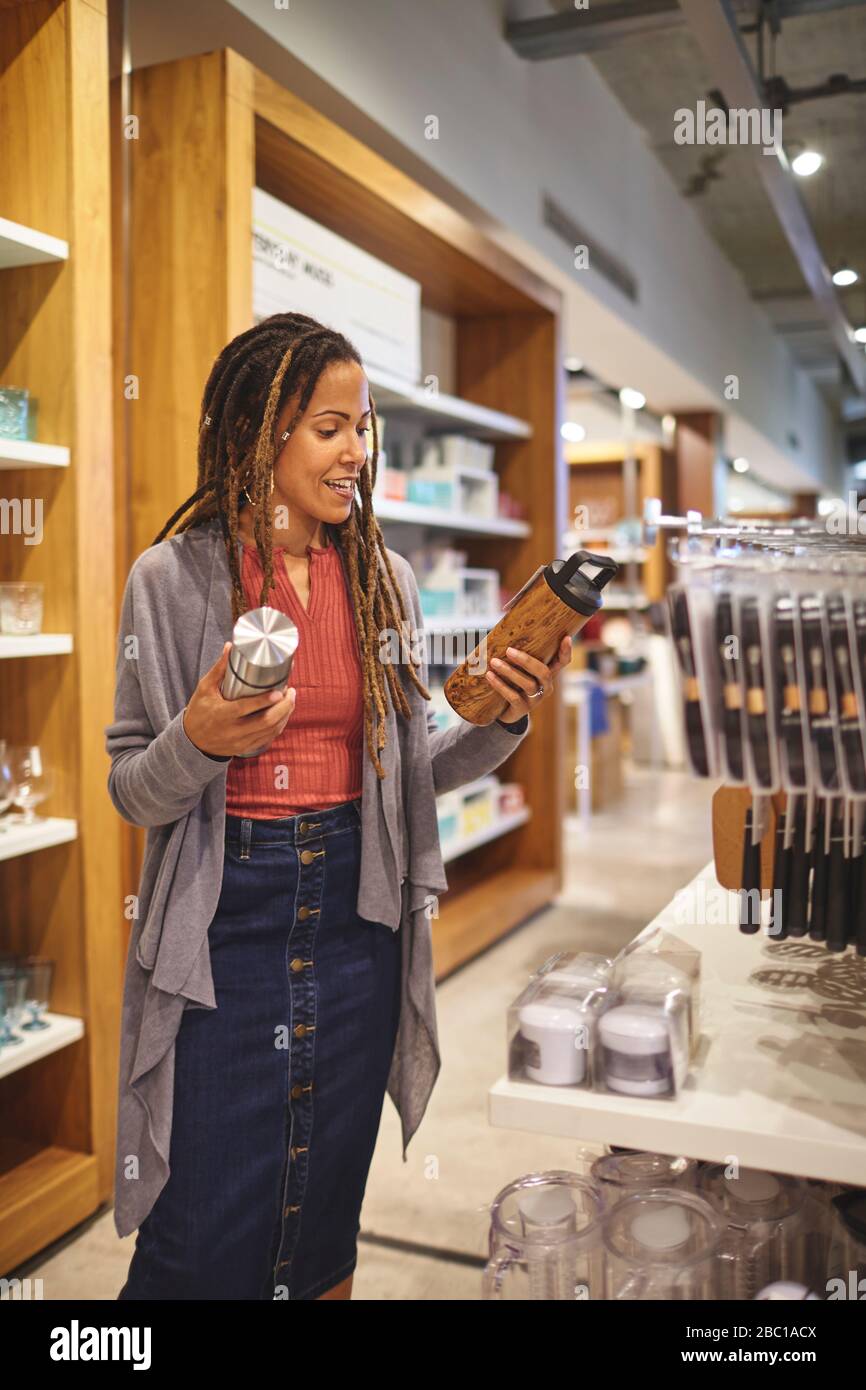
[[621, 554], [446, 625], [21, 245], [388, 509], [441, 412], [779, 1079], [40, 644], [613, 602], [29, 453], [62, 1030], [452, 849], [24, 839]]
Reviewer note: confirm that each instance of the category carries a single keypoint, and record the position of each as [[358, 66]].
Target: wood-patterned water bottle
[[555, 603]]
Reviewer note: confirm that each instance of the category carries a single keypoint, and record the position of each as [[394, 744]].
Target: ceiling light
[[632, 399], [860, 334], [806, 163], [741, 465], [573, 364], [572, 431], [845, 276], [669, 423]]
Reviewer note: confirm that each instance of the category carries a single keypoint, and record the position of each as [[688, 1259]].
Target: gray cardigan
[[175, 617]]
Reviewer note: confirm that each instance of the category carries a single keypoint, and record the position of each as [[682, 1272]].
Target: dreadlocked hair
[[249, 383]]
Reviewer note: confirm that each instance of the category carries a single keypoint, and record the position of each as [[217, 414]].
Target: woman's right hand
[[223, 727]]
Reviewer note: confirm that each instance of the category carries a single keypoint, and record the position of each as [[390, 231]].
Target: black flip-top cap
[[579, 580]]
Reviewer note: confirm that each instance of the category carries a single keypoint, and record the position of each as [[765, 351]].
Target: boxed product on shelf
[[459, 592], [477, 492], [510, 508], [512, 797], [436, 563], [391, 480], [478, 592], [552, 1026], [663, 945], [645, 1038], [430, 492], [581, 965], [437, 603], [451, 451], [448, 814], [473, 490], [394, 484], [479, 807]]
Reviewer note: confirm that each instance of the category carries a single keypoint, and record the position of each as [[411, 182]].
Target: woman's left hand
[[524, 681]]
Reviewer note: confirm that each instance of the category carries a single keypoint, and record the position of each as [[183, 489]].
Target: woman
[[279, 975]]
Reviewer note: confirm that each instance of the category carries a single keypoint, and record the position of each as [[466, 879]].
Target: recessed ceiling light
[[807, 162], [572, 431], [845, 276], [860, 334], [741, 465], [632, 399], [573, 364]]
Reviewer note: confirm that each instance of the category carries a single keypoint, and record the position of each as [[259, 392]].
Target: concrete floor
[[424, 1222]]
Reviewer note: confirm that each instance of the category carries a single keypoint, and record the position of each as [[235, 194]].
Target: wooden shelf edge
[[483, 914], [48, 1192]]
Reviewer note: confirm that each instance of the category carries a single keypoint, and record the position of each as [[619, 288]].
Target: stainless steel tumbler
[[264, 643]]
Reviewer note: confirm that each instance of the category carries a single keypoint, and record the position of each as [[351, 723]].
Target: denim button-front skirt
[[278, 1092]]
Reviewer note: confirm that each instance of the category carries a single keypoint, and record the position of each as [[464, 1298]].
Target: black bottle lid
[[579, 580]]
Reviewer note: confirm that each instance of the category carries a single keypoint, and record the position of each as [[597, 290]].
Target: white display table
[[779, 1080]]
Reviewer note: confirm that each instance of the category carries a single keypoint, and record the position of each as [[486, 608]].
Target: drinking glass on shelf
[[13, 412], [7, 784], [38, 972], [21, 609], [13, 983], [34, 782]]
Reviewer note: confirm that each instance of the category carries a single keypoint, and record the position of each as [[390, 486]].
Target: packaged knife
[[788, 668], [731, 686], [819, 713]]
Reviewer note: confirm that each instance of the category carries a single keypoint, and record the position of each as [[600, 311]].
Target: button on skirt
[[278, 1092]]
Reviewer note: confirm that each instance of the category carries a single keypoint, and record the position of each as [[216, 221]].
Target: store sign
[[300, 266]]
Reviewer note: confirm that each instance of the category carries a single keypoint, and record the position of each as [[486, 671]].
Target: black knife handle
[[797, 913], [781, 880], [818, 904], [855, 887], [750, 901], [837, 896], [861, 913]]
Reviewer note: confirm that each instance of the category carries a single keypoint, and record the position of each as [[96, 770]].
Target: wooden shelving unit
[[57, 1113], [212, 128], [598, 471]]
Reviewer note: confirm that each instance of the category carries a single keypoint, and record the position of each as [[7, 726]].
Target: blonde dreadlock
[[249, 383]]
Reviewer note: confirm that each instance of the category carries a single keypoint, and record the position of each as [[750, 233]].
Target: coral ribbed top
[[316, 761]]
